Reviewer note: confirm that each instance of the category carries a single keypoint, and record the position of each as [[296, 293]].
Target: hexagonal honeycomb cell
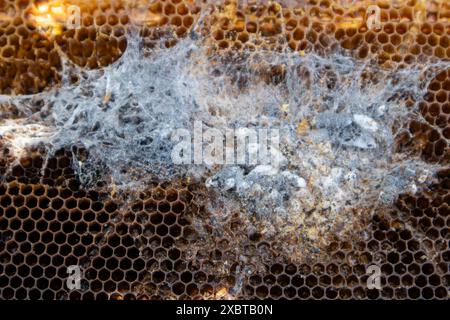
[[161, 242]]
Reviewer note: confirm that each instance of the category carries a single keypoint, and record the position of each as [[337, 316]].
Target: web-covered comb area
[[91, 91]]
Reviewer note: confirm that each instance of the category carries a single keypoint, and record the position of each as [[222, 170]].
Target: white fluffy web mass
[[335, 116]]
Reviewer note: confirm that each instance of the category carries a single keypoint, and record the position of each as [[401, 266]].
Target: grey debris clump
[[350, 130], [404, 179], [265, 189]]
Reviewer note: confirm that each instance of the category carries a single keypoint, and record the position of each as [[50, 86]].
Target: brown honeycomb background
[[160, 245]]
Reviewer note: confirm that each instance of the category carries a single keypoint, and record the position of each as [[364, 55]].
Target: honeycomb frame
[[151, 248]]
